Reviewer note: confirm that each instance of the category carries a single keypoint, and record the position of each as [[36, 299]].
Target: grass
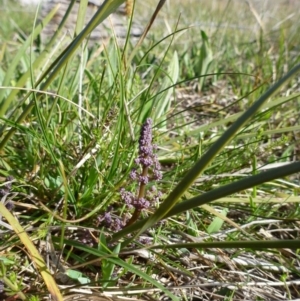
[[223, 95]]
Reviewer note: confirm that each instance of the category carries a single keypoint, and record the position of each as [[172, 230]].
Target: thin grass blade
[[34, 254], [187, 181]]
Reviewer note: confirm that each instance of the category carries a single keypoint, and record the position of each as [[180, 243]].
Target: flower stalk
[[150, 170], [147, 169]]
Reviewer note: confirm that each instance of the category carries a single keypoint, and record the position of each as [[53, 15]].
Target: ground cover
[[205, 206]]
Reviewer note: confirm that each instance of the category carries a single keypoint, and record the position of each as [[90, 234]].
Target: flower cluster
[[147, 169], [146, 157], [114, 224]]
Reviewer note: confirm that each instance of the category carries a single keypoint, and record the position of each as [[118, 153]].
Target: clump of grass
[[228, 187]]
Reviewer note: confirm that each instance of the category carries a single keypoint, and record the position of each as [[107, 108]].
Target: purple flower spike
[[149, 170], [147, 158], [145, 141]]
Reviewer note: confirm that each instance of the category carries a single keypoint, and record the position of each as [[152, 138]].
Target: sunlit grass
[[223, 117]]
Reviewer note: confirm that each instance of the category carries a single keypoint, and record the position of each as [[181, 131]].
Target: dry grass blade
[[34, 254], [95, 297], [158, 8], [86, 298]]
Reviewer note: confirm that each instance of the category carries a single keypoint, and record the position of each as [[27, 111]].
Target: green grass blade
[[198, 168], [237, 186], [108, 7], [254, 245], [81, 16], [113, 259], [5, 103], [220, 192]]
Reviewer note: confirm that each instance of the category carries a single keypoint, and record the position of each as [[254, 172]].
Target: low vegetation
[[161, 170]]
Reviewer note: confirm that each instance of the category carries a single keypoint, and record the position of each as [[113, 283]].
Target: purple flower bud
[[105, 218], [133, 174], [144, 179], [146, 150], [127, 197], [141, 204], [157, 165], [146, 162], [157, 175], [145, 141], [117, 225]]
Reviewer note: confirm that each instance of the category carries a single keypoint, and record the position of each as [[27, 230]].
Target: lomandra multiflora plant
[[145, 173]]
